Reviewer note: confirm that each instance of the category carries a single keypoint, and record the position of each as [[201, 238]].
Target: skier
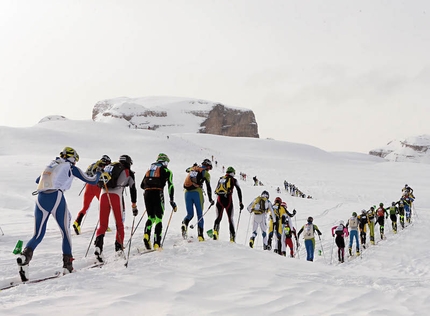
[[407, 203], [371, 223], [363, 221], [281, 216], [353, 233], [260, 206], [309, 236], [91, 191], [114, 179], [401, 213], [153, 184], [289, 231], [197, 175], [394, 210], [408, 191], [278, 190], [224, 190], [341, 232], [380, 213], [52, 183]]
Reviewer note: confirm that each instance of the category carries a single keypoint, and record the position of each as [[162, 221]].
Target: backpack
[[111, 172], [380, 212], [259, 206], [339, 230], [152, 177], [194, 177], [224, 186]]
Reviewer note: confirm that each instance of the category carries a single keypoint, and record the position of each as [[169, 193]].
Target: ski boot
[[98, 243], [216, 232], [23, 260], [119, 250], [77, 224], [350, 251], [251, 242], [283, 253], [232, 238], [147, 242], [200, 234], [67, 264], [184, 228]]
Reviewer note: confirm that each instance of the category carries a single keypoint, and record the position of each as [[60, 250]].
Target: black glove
[[173, 205], [241, 206], [135, 210], [294, 212], [319, 233], [212, 202]]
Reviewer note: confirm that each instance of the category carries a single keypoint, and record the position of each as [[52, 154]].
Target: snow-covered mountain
[[412, 149], [172, 114]]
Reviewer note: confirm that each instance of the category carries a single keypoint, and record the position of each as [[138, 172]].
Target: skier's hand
[[319, 233], [294, 212], [212, 202], [173, 205], [134, 208], [241, 206]]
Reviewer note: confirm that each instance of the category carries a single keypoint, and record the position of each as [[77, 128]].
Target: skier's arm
[[78, 173], [239, 190], [300, 231]]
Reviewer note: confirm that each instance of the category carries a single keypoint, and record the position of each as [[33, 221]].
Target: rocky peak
[[181, 115], [412, 149]]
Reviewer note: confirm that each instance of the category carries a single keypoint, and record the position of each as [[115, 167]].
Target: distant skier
[[352, 224], [308, 231], [341, 232], [394, 210], [381, 213], [363, 222]]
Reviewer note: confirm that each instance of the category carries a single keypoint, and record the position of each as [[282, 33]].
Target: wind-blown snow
[[214, 277]]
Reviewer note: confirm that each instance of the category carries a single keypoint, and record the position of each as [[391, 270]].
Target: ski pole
[[2, 233], [92, 237], [247, 230], [322, 249], [238, 220], [331, 257], [167, 228], [192, 226], [82, 189], [133, 231], [129, 245]]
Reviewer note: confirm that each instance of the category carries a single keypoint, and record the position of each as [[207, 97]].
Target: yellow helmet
[[69, 154]]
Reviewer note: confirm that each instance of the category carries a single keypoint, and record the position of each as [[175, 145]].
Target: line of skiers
[[358, 224]]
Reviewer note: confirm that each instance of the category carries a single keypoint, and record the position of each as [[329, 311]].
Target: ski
[[142, 251], [14, 284]]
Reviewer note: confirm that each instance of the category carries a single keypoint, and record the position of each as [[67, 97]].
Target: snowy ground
[[214, 277]]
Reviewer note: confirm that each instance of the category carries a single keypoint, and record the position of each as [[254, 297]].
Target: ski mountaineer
[[363, 221], [153, 185], [276, 225], [380, 213], [224, 190], [52, 183], [401, 213], [289, 231], [260, 206], [408, 191], [91, 191], [193, 185], [394, 210], [353, 233], [341, 232], [407, 203], [115, 178], [309, 230], [371, 223]]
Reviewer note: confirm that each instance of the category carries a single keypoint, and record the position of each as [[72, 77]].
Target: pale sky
[[339, 75]]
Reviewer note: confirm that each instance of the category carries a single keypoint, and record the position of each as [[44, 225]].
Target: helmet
[[207, 162], [265, 194], [372, 208], [393, 203], [310, 219], [126, 160], [284, 204], [381, 204], [231, 170], [363, 211], [163, 157], [106, 160], [278, 200], [69, 154], [406, 185], [354, 214], [342, 223]]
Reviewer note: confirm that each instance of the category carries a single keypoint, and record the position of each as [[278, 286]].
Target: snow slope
[[214, 277]]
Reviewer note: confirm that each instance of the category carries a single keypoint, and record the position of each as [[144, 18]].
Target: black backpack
[[111, 171]]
